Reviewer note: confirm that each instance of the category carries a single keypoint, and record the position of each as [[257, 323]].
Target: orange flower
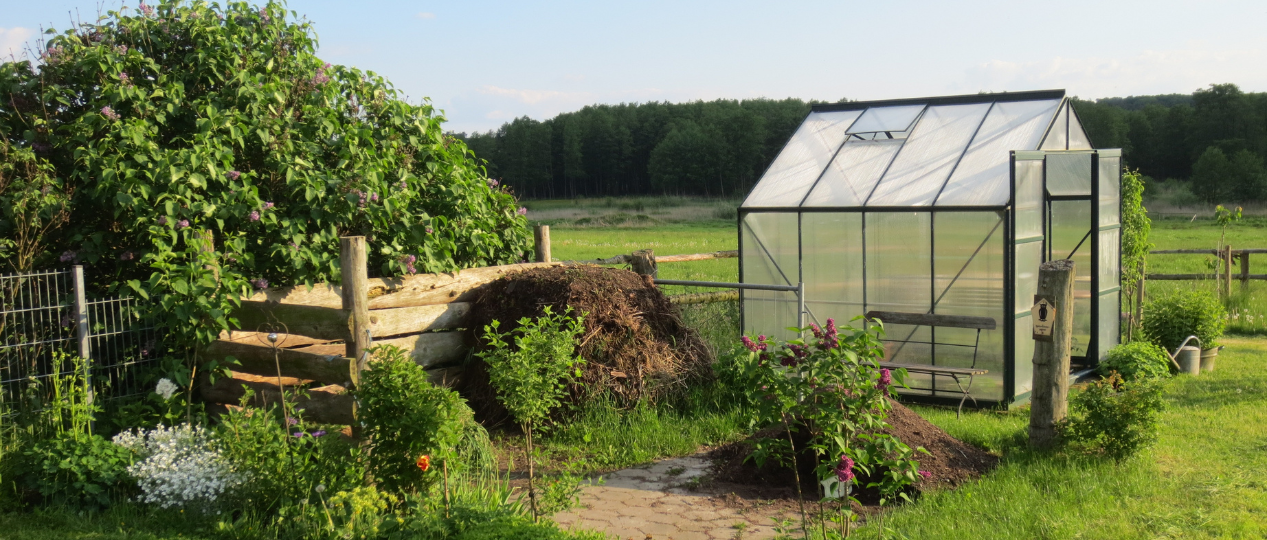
[[424, 463]]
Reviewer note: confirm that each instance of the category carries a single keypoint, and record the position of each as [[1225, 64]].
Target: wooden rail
[[1223, 276]]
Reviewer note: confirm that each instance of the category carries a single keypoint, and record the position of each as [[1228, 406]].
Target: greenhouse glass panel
[[1077, 137], [1057, 138], [1110, 323], [981, 178], [832, 265], [854, 172], [968, 281], [894, 118], [1069, 174], [1071, 226], [899, 277], [1029, 198], [1028, 258], [1110, 278], [922, 167], [1110, 190], [1024, 343], [769, 257], [802, 160]]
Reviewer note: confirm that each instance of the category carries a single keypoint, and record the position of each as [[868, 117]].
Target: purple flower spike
[[68, 256], [260, 283], [145, 10], [886, 379], [492, 182], [109, 113], [232, 175], [182, 224], [844, 469], [430, 230], [373, 197], [127, 256], [162, 220], [319, 433], [290, 421], [523, 211], [254, 216], [926, 474], [268, 204]]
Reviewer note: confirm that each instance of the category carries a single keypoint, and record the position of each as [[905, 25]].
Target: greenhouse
[[935, 214]]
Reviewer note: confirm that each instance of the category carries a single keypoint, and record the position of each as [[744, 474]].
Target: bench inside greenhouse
[[933, 320]]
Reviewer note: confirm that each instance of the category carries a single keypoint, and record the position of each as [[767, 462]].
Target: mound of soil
[[950, 461], [635, 344]]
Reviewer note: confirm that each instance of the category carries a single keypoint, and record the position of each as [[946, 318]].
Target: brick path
[[653, 502]]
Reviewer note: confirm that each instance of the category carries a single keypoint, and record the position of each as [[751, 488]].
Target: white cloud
[[12, 40], [1150, 72], [532, 97], [425, 15]]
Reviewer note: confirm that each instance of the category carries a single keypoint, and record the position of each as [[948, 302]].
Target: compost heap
[[635, 345], [950, 462]]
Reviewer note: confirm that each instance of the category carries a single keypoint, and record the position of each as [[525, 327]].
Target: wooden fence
[[320, 333], [1223, 272]]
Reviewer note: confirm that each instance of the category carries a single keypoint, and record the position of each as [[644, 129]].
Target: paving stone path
[[655, 502]]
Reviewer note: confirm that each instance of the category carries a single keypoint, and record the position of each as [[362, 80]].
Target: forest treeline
[[1216, 138]]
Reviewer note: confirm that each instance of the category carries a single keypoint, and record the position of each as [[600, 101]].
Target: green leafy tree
[[530, 367], [206, 149], [1210, 174], [1135, 245]]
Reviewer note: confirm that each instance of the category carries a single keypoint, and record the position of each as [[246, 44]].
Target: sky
[[486, 62]]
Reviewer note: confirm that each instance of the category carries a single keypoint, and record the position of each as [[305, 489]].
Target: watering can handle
[[1181, 346]]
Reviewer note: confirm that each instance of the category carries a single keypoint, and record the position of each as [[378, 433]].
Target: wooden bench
[[939, 321]]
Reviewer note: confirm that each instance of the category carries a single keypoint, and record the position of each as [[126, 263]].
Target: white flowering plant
[[179, 467]]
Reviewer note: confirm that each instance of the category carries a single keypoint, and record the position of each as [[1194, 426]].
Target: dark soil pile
[[635, 344], [950, 461]]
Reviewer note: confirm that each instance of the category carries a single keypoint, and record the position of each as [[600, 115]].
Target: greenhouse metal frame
[[942, 206]]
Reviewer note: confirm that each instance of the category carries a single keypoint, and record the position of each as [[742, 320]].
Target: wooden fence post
[[81, 327], [1049, 402], [356, 303], [541, 233], [1245, 271], [1227, 271], [643, 262]]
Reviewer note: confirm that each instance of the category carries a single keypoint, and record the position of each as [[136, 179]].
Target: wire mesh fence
[[41, 333]]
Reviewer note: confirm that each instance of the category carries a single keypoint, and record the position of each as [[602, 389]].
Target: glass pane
[[899, 277], [981, 178], [1024, 342], [802, 160], [1109, 259], [769, 257], [969, 281], [1110, 190], [1077, 136], [920, 170], [1029, 199], [832, 265], [854, 172], [1110, 322], [1056, 139], [1069, 174], [1028, 257], [897, 118], [1070, 225]]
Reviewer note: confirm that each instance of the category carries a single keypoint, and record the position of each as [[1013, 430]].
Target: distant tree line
[[1215, 137]]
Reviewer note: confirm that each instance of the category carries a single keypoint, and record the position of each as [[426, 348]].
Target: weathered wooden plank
[[931, 319], [425, 289], [705, 298], [697, 256], [328, 404], [289, 341], [312, 321], [433, 348], [258, 360], [411, 320], [1185, 277]]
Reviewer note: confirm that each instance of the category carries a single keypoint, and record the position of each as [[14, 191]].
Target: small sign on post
[[1044, 316]]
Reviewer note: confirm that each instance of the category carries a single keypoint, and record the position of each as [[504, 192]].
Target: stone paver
[[651, 502]]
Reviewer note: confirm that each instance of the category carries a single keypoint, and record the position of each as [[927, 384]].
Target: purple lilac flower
[[829, 337], [127, 256], [52, 55], [145, 10], [748, 344], [844, 469], [68, 256], [162, 220], [408, 261], [321, 78], [925, 474], [373, 197], [122, 49], [254, 216], [232, 175], [109, 113], [125, 79], [404, 185], [260, 283], [523, 211], [290, 421], [492, 182], [268, 204], [182, 224], [319, 433], [430, 230], [264, 14], [886, 379]]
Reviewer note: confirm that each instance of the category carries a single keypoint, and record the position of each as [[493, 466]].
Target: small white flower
[[321, 488], [166, 388]]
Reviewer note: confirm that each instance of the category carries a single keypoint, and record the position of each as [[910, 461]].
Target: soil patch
[[950, 461], [635, 344]]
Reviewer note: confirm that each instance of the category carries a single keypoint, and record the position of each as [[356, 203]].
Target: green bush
[[1172, 318], [1114, 417], [1136, 360], [406, 418], [85, 471]]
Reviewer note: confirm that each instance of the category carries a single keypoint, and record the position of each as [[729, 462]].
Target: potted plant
[[1172, 318]]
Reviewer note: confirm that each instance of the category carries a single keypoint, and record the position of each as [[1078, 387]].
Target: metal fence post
[[81, 328], [800, 305]]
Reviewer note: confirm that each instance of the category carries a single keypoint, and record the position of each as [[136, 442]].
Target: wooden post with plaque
[[1053, 329]]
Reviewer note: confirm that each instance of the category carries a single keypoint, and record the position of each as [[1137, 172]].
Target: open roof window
[[892, 122]]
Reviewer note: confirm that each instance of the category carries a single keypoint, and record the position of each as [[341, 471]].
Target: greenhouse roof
[[939, 151]]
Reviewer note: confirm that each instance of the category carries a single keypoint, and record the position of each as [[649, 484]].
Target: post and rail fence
[[1223, 272]]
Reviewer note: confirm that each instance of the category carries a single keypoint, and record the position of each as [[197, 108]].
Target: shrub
[[1136, 360], [179, 467], [532, 376], [1172, 318], [84, 471], [1115, 417], [407, 419]]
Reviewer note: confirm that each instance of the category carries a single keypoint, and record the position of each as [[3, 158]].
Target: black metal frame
[[943, 100]]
